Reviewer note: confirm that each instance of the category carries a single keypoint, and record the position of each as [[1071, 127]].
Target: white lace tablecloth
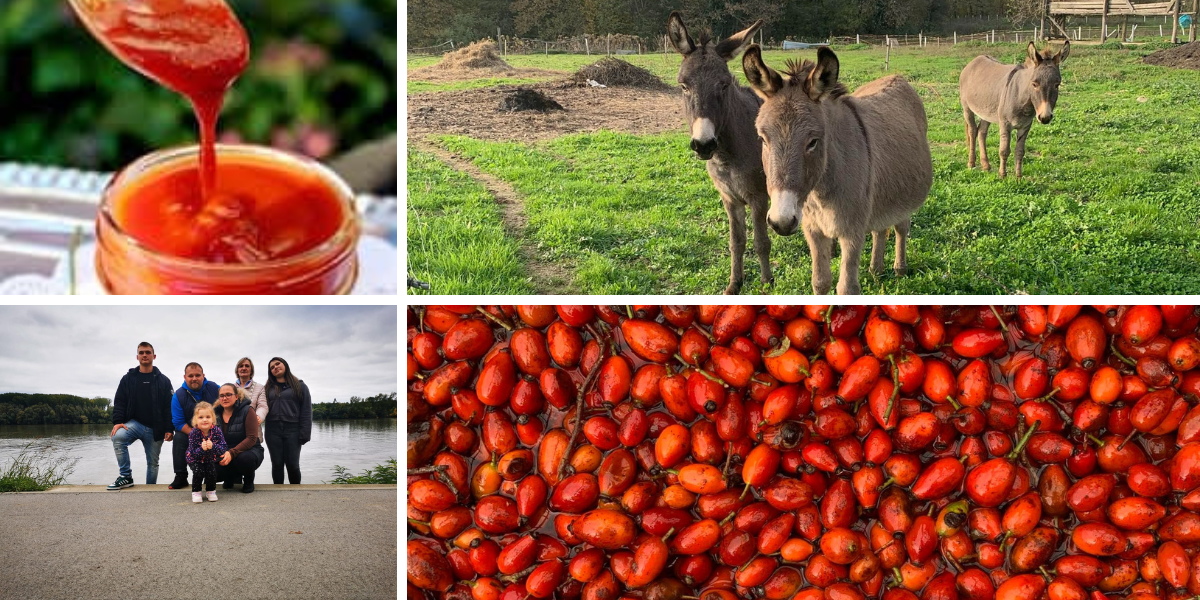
[[48, 214]]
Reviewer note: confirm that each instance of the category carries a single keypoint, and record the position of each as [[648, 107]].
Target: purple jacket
[[196, 455]]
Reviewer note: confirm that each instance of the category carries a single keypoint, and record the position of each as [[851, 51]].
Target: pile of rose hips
[[808, 452]]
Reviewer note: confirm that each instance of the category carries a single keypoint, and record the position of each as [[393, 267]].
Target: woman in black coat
[[289, 420], [239, 424]]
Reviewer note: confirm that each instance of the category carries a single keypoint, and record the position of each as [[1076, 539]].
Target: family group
[[215, 430]]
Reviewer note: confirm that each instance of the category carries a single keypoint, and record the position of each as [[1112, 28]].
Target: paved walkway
[[282, 541]]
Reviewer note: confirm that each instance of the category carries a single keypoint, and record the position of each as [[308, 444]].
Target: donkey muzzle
[[787, 227], [1045, 119], [704, 149]]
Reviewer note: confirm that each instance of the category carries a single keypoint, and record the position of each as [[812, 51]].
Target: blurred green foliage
[[322, 78]]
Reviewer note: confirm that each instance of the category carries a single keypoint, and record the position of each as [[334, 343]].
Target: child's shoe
[[197, 497], [212, 496]]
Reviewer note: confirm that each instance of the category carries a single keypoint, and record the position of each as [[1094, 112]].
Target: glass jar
[[127, 265]]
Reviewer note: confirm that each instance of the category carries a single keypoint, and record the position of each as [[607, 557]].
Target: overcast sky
[[339, 351]]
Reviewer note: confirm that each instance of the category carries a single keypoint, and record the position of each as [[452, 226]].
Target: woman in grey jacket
[[289, 420], [255, 392]]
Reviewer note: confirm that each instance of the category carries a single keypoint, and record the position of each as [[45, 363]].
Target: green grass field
[[1110, 201]]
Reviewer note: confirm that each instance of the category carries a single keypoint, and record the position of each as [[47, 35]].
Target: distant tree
[[38, 414], [10, 414], [547, 19]]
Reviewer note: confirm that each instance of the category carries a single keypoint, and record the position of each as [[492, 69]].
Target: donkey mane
[[703, 39], [798, 73]]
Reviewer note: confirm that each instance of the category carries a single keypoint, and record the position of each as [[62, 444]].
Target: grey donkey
[[1010, 95], [843, 164], [720, 114]]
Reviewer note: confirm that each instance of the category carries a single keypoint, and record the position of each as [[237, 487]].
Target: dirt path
[[546, 277]]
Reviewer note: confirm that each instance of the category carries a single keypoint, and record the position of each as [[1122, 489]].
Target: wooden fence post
[[586, 47], [1195, 17], [1174, 23], [887, 59], [608, 45], [955, 38], [1104, 23]]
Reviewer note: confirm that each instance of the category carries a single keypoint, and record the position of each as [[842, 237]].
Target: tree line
[[53, 409], [65, 409], [433, 22], [379, 406]]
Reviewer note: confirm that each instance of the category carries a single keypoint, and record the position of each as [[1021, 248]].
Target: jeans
[[241, 467], [283, 441], [125, 437]]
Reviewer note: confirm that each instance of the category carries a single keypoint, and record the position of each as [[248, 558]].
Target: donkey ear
[[823, 76], [1062, 54], [729, 47], [763, 80], [1032, 56], [678, 34]]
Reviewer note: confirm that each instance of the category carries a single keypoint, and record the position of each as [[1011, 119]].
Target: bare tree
[[745, 12], [1024, 12]]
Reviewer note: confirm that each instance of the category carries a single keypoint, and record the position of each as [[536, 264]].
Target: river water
[[357, 444]]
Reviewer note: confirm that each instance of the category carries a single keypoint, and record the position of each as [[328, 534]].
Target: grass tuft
[[35, 469], [385, 473]]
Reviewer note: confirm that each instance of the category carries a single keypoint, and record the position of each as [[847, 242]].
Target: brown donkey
[[720, 114], [847, 164], [1010, 95]]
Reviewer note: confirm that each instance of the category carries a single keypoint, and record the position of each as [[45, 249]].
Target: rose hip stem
[[1024, 439], [587, 384]]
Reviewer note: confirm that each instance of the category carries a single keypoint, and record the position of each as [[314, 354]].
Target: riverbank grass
[[385, 473], [36, 468]]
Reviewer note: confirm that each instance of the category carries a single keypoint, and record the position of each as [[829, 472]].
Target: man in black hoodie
[[141, 411]]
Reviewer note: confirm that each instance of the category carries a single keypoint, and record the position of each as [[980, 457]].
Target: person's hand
[[206, 445], [116, 427], [168, 436], [225, 458]]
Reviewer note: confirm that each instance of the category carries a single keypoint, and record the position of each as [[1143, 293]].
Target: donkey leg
[[972, 129], [1005, 135], [737, 242], [762, 241], [982, 137], [901, 264], [878, 249], [1019, 152], [851, 255], [820, 247]]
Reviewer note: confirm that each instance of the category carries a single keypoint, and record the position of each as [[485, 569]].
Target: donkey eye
[[1036, 84], [684, 87], [812, 145]]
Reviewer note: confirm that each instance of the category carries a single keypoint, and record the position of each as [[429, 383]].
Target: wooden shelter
[[1057, 11]]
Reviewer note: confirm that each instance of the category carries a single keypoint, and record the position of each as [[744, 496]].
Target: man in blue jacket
[[196, 388], [141, 411]]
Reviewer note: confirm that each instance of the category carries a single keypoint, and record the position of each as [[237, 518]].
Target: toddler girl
[[206, 445]]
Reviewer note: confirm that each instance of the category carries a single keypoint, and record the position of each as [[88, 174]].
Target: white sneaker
[[197, 497], [212, 496]]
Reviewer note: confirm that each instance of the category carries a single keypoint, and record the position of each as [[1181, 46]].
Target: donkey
[[720, 114], [847, 164], [1010, 95]]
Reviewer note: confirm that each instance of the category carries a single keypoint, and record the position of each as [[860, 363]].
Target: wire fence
[[1131, 30]]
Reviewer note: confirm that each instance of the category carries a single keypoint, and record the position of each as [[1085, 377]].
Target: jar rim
[[337, 239]]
